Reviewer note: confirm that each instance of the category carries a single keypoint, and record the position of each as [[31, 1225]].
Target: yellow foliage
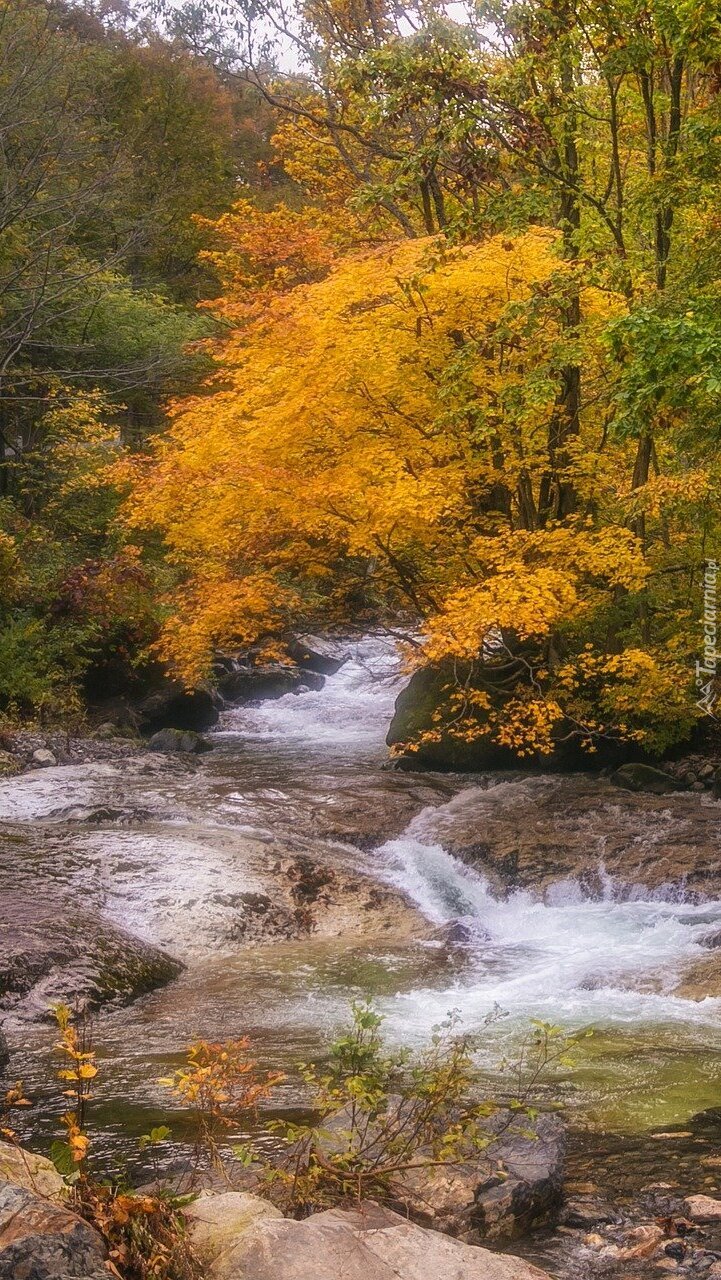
[[376, 443]]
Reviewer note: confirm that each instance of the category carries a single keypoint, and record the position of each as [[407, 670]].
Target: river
[[178, 843]]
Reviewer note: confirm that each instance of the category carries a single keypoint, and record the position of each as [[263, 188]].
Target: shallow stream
[[178, 842]]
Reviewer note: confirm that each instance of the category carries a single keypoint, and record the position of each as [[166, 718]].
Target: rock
[[35, 1173], [43, 757], [216, 1220], [371, 1243], [643, 777], [268, 681], [50, 951], [9, 764], [701, 979], [183, 741], [311, 682], [534, 832], [706, 771], [459, 933], [40, 1240], [513, 1184], [716, 785], [414, 709], [4, 1050], [172, 706], [315, 653], [584, 1213], [703, 1209]]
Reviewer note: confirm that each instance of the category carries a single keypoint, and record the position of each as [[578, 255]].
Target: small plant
[[75, 1044], [13, 1099], [382, 1116], [222, 1085], [145, 1234]]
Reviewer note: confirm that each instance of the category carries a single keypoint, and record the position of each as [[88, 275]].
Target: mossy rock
[[415, 707]]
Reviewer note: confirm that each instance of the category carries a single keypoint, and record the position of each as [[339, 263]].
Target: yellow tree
[[375, 447]]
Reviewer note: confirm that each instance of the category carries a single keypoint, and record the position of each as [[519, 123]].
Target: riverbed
[[163, 847]]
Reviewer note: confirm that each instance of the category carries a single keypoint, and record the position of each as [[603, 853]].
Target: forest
[[366, 316]]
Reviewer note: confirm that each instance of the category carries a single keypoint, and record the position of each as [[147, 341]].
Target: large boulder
[[643, 777], [413, 716], [371, 1243], [173, 707], [40, 1240], [179, 741], [318, 653], [34, 1173], [50, 951], [217, 1220], [265, 682], [513, 1184]]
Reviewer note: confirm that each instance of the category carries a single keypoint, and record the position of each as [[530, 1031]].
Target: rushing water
[[162, 848]]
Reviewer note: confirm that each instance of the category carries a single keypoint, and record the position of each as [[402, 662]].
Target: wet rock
[[701, 979], [35, 1173], [414, 710], [44, 758], [371, 1243], [172, 706], [703, 1209], [4, 1050], [182, 741], [585, 1213], [51, 951], [40, 1240], [532, 833], [216, 1220], [512, 1185], [315, 653], [265, 682], [459, 933], [643, 777]]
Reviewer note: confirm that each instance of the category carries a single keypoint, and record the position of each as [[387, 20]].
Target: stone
[[698, 786], [179, 741], [716, 785], [706, 771], [513, 1184], [643, 777], [413, 714], [35, 1173], [267, 681], [43, 757], [532, 833], [216, 1220], [316, 653], [40, 1240], [51, 951], [585, 1213], [371, 1243], [9, 764], [4, 1050], [703, 1209], [172, 706], [701, 979]]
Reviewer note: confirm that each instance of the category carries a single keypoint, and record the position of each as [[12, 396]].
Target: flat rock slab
[[50, 952], [703, 1209], [34, 1173], [44, 1241], [368, 1244], [217, 1220]]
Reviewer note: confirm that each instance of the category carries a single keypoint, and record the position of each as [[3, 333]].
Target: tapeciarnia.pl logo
[[707, 668]]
